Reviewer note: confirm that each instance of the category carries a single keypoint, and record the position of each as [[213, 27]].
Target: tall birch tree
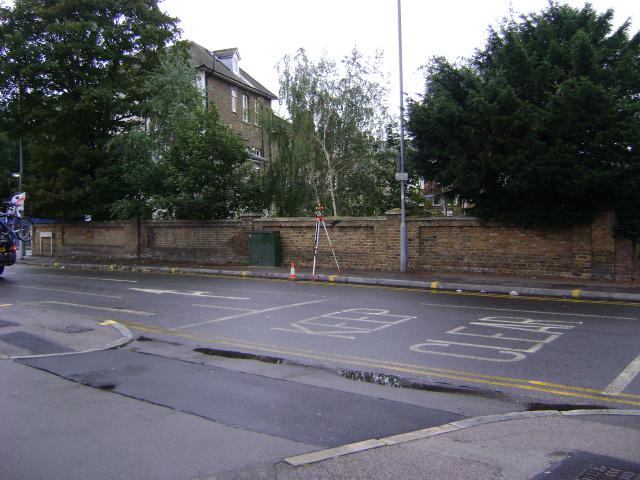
[[337, 115]]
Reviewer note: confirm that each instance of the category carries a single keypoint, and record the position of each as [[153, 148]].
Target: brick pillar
[[581, 257], [392, 243], [247, 225], [603, 245], [132, 238], [626, 262]]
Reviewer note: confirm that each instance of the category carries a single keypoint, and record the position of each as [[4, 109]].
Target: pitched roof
[[200, 57]]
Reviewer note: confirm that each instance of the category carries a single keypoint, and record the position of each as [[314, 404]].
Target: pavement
[[550, 444]]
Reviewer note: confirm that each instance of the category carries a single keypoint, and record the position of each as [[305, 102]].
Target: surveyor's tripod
[[316, 242]]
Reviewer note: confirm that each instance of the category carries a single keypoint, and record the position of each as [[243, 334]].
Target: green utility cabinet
[[264, 249]]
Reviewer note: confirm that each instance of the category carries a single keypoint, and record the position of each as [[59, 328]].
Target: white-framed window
[[234, 100], [257, 106], [245, 109]]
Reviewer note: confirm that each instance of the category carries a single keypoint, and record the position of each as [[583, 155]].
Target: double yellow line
[[404, 368]]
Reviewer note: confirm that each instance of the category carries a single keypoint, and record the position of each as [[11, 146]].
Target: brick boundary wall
[[438, 244]]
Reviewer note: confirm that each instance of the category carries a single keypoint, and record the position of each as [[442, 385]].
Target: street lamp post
[[402, 176], [20, 172], [22, 245]]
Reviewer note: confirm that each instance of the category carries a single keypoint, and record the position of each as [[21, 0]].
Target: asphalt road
[[551, 350], [233, 375]]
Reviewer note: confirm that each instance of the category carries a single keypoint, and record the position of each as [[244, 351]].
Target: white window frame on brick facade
[[234, 100], [257, 106], [245, 109]]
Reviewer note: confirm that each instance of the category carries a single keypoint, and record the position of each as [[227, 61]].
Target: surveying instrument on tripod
[[316, 242]]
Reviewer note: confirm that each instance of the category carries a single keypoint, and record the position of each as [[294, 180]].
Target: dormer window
[[230, 58]]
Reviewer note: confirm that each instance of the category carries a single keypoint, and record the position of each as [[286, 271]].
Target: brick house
[[239, 98]]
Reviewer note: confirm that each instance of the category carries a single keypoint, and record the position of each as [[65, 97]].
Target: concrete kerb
[[354, 280], [331, 453]]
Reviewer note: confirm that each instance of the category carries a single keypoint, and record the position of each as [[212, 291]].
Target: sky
[[265, 31]]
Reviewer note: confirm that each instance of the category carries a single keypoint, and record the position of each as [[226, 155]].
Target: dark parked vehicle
[[7, 249]]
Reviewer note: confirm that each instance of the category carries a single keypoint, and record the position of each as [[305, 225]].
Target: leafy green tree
[[8, 165], [336, 119], [287, 188], [185, 163], [71, 77], [540, 127]]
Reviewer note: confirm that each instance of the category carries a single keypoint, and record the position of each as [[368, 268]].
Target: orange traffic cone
[[292, 272]]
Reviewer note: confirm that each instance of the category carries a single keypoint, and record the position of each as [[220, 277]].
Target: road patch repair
[[316, 416]]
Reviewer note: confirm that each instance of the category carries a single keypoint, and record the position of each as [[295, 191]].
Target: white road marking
[[346, 323], [89, 278], [526, 311], [541, 333], [69, 291], [623, 380], [459, 331], [517, 356], [533, 349], [231, 317], [223, 308], [308, 332], [95, 307], [190, 294], [281, 294]]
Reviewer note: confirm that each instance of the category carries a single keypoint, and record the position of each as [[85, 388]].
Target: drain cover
[[586, 466], [69, 329], [603, 472]]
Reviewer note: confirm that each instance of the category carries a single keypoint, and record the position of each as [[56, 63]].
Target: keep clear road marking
[[532, 336], [95, 307], [623, 380], [69, 291], [444, 305], [253, 312], [190, 294], [348, 324]]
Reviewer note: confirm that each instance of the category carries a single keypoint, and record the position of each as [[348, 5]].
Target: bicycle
[[19, 226]]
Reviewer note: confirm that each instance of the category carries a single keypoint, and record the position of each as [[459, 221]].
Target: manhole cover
[[603, 472], [586, 466], [69, 329]]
